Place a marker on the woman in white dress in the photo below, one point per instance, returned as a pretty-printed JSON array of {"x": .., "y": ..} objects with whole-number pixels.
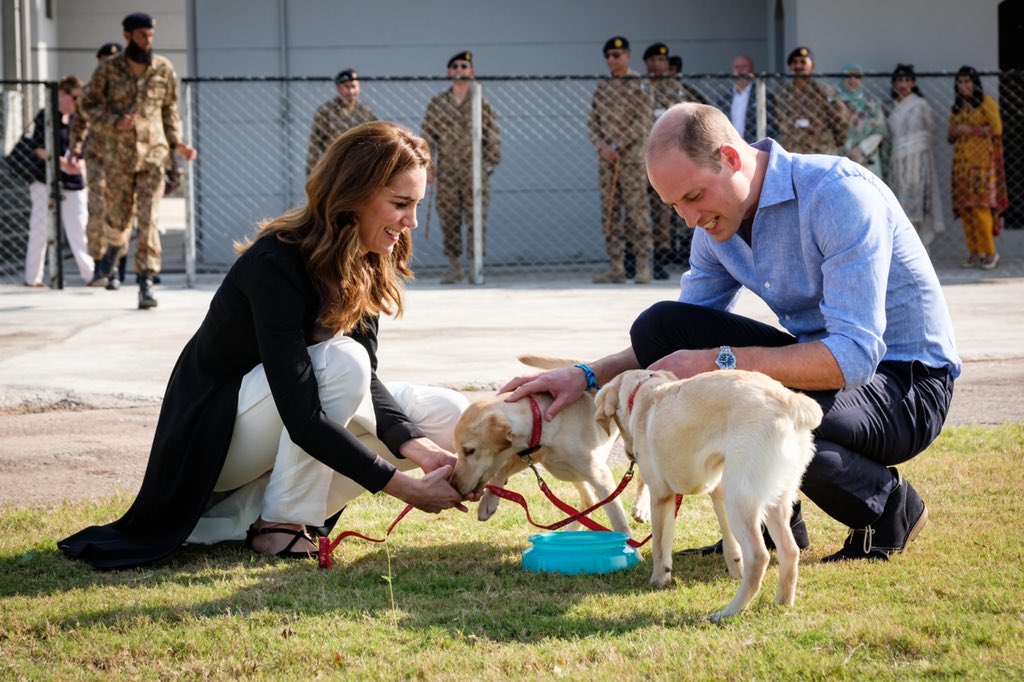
[{"x": 912, "y": 175}]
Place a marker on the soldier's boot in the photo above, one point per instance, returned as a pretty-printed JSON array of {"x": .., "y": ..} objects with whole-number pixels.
[
  {"x": 106, "y": 269},
  {"x": 122, "y": 267},
  {"x": 643, "y": 271},
  {"x": 662, "y": 257},
  {"x": 146, "y": 298},
  {"x": 629, "y": 263},
  {"x": 616, "y": 274},
  {"x": 455, "y": 273}
]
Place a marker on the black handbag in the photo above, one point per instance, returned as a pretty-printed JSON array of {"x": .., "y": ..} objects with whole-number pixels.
[{"x": 24, "y": 164}]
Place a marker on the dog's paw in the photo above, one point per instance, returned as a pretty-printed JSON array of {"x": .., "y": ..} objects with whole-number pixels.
[
  {"x": 641, "y": 513},
  {"x": 718, "y": 617},
  {"x": 661, "y": 579},
  {"x": 487, "y": 506}
]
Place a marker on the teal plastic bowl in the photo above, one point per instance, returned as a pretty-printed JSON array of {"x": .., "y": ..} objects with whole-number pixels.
[{"x": 572, "y": 552}]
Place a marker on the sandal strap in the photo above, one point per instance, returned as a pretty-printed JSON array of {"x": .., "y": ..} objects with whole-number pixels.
[{"x": 253, "y": 531}]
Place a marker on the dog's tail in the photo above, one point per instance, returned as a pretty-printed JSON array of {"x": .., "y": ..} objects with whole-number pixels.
[
  {"x": 806, "y": 411},
  {"x": 546, "y": 361}
]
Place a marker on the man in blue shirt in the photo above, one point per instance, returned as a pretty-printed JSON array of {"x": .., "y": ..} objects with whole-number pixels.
[{"x": 866, "y": 330}]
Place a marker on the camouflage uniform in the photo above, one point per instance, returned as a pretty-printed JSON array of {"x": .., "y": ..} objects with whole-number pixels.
[
  {"x": 331, "y": 120},
  {"x": 621, "y": 115},
  {"x": 133, "y": 161},
  {"x": 95, "y": 182},
  {"x": 811, "y": 119},
  {"x": 448, "y": 126},
  {"x": 666, "y": 92}
]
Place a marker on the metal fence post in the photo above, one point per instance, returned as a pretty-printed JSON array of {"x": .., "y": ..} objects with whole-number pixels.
[
  {"x": 189, "y": 190},
  {"x": 476, "y": 275},
  {"x": 762, "y": 107},
  {"x": 53, "y": 118}
]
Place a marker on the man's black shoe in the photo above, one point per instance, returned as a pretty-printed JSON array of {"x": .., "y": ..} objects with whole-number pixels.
[
  {"x": 903, "y": 518},
  {"x": 796, "y": 522}
]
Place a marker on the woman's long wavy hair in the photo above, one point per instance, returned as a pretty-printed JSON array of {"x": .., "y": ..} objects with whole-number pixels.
[
  {"x": 976, "y": 98},
  {"x": 356, "y": 166}
]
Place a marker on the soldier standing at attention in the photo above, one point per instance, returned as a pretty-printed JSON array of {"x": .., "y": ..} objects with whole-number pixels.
[
  {"x": 448, "y": 126},
  {"x": 809, "y": 114},
  {"x": 95, "y": 183},
  {"x": 336, "y": 116},
  {"x": 132, "y": 107},
  {"x": 620, "y": 117}
]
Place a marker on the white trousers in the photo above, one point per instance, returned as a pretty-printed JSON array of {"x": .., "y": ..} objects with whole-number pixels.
[
  {"x": 274, "y": 479},
  {"x": 74, "y": 213}
]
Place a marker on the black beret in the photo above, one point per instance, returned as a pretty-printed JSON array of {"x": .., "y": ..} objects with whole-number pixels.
[
  {"x": 800, "y": 52},
  {"x": 137, "y": 20},
  {"x": 616, "y": 43},
  {"x": 108, "y": 50},
  {"x": 656, "y": 49},
  {"x": 464, "y": 56},
  {"x": 345, "y": 76}
]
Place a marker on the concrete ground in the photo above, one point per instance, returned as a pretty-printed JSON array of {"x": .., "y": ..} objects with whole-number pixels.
[{"x": 82, "y": 371}]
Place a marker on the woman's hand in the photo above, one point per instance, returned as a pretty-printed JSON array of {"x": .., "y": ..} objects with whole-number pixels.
[
  {"x": 432, "y": 493},
  {"x": 427, "y": 454}
]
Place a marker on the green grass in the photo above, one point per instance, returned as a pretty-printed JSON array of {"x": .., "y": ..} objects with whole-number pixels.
[{"x": 462, "y": 608}]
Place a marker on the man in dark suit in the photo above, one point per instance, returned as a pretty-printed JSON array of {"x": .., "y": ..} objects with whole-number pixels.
[{"x": 740, "y": 105}]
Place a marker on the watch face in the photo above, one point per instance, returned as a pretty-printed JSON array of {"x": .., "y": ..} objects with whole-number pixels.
[{"x": 726, "y": 360}]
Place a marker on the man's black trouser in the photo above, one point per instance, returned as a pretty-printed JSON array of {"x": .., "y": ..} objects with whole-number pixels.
[{"x": 887, "y": 421}]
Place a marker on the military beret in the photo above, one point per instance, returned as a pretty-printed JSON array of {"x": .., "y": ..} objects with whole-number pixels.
[
  {"x": 137, "y": 20},
  {"x": 800, "y": 52},
  {"x": 616, "y": 43},
  {"x": 345, "y": 76},
  {"x": 656, "y": 49},
  {"x": 108, "y": 50},
  {"x": 465, "y": 56}
]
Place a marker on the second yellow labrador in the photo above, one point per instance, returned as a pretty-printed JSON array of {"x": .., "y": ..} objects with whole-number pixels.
[{"x": 740, "y": 437}]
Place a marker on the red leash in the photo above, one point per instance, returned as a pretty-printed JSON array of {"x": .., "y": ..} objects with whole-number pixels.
[{"x": 326, "y": 545}]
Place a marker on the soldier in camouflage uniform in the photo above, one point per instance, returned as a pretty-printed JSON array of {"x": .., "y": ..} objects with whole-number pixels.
[
  {"x": 448, "y": 127},
  {"x": 621, "y": 115},
  {"x": 93, "y": 164},
  {"x": 131, "y": 103},
  {"x": 665, "y": 91},
  {"x": 336, "y": 116},
  {"x": 810, "y": 116}
]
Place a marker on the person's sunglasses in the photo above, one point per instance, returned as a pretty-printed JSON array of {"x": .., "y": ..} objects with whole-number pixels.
[{"x": 463, "y": 66}]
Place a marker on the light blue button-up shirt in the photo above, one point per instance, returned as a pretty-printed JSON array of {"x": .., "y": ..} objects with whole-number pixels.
[{"x": 835, "y": 258}]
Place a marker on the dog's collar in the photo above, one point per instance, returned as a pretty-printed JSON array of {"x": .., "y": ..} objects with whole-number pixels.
[
  {"x": 636, "y": 389},
  {"x": 538, "y": 423}
]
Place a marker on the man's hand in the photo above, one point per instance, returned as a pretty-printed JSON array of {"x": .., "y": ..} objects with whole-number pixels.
[
  {"x": 125, "y": 123},
  {"x": 607, "y": 154},
  {"x": 188, "y": 153},
  {"x": 687, "y": 363},
  {"x": 71, "y": 166},
  {"x": 565, "y": 386}
]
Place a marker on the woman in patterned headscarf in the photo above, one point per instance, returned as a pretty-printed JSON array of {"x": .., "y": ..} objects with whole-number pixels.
[
  {"x": 979, "y": 177},
  {"x": 912, "y": 175},
  {"x": 867, "y": 139}
]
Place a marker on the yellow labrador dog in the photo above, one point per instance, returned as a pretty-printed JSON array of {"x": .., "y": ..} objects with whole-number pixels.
[
  {"x": 573, "y": 446},
  {"x": 740, "y": 437}
]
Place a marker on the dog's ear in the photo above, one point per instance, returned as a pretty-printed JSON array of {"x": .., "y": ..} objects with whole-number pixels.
[
  {"x": 607, "y": 402},
  {"x": 497, "y": 431}
]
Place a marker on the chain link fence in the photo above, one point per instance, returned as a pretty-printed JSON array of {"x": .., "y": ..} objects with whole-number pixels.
[{"x": 542, "y": 194}]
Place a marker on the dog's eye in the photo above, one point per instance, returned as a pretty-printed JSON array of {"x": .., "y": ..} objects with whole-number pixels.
[{"x": 468, "y": 452}]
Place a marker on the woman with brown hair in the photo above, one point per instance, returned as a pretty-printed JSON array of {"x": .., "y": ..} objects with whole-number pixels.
[
  {"x": 274, "y": 414},
  {"x": 979, "y": 177}
]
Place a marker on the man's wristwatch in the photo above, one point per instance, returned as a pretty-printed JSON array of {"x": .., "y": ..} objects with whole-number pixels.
[{"x": 725, "y": 359}]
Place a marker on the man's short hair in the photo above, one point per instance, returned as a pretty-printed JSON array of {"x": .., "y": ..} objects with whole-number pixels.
[{"x": 697, "y": 130}]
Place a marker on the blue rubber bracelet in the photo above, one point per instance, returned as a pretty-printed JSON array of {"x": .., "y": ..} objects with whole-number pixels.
[{"x": 592, "y": 384}]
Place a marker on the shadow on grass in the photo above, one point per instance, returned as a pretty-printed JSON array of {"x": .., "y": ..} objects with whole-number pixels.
[{"x": 461, "y": 587}]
